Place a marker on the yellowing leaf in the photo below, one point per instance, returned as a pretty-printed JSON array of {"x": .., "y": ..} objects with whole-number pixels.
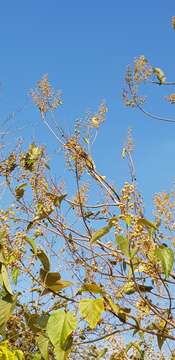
[
  {"x": 166, "y": 257},
  {"x": 44, "y": 259},
  {"x": 94, "y": 288},
  {"x": 91, "y": 310},
  {"x": 49, "y": 278},
  {"x": 60, "y": 285},
  {"x": 52, "y": 281}
]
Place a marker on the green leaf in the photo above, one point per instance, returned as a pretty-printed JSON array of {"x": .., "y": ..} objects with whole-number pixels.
[
  {"x": 44, "y": 259},
  {"x": 91, "y": 310},
  {"x": 37, "y": 356},
  {"x": 42, "y": 342},
  {"x": 7, "y": 305},
  {"x": 31, "y": 242},
  {"x": 166, "y": 257},
  {"x": 42, "y": 321},
  {"x": 133, "y": 252},
  {"x": 68, "y": 343},
  {"x": 15, "y": 274},
  {"x": 32, "y": 322},
  {"x": 123, "y": 244},
  {"x": 100, "y": 233},
  {"x": 61, "y": 354},
  {"x": 36, "y": 322},
  {"x": 5, "y": 279},
  {"x": 60, "y": 327}
]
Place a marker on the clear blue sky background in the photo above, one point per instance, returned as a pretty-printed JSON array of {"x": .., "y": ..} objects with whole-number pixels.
[{"x": 85, "y": 47}]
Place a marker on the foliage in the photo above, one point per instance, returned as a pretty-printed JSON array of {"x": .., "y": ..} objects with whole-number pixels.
[{"x": 82, "y": 271}]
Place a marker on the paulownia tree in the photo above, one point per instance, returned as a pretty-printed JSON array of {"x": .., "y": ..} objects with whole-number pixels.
[{"x": 83, "y": 273}]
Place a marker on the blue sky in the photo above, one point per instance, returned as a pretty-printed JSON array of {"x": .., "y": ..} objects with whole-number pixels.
[{"x": 85, "y": 46}]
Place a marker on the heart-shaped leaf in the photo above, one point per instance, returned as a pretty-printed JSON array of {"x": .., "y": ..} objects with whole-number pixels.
[{"x": 91, "y": 310}]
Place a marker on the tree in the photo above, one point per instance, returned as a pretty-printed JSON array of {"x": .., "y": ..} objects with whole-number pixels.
[{"x": 84, "y": 276}]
